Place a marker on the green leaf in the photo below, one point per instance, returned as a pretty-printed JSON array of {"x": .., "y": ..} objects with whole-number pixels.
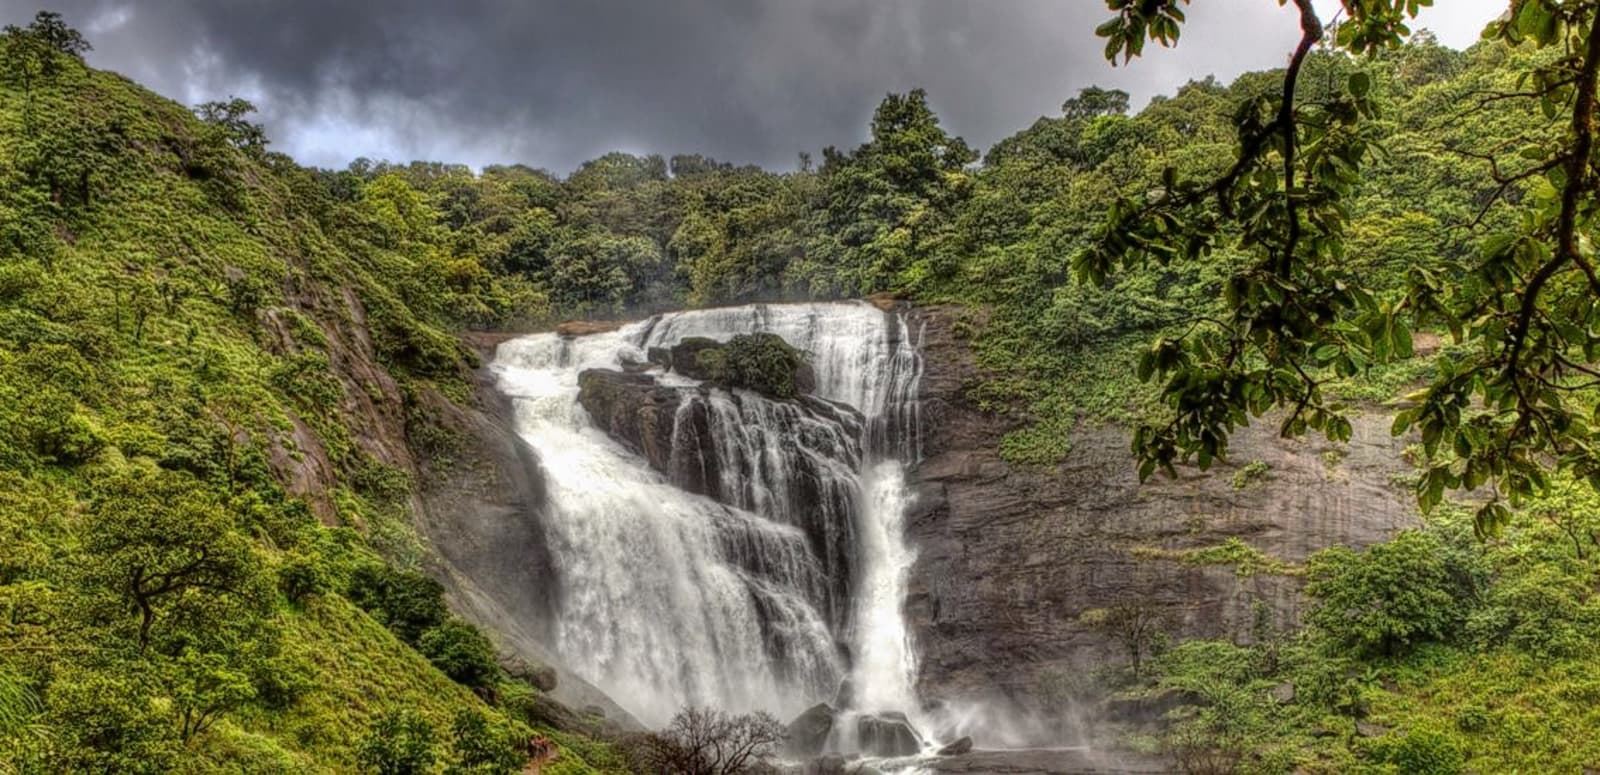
[{"x": 1360, "y": 84}]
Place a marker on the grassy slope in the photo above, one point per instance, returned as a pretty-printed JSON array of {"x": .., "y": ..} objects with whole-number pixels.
[{"x": 141, "y": 280}]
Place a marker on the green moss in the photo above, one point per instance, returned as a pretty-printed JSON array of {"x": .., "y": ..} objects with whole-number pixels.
[
  {"x": 1047, "y": 440},
  {"x": 1253, "y": 473},
  {"x": 1246, "y": 560},
  {"x": 761, "y": 362}
]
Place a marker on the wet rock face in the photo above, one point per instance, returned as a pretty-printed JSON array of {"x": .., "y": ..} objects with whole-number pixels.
[
  {"x": 887, "y": 734},
  {"x": 635, "y": 410},
  {"x": 808, "y": 733},
  {"x": 1010, "y": 558}
]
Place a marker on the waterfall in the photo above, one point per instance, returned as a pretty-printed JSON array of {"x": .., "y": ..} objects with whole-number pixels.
[{"x": 726, "y": 549}]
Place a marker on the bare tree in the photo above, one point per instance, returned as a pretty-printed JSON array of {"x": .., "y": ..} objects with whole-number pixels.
[{"x": 701, "y": 741}]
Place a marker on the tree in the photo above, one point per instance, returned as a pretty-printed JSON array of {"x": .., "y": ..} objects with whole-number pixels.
[
  {"x": 1391, "y": 596},
  {"x": 1138, "y": 624},
  {"x": 890, "y": 204},
  {"x": 709, "y": 742},
  {"x": 1293, "y": 317},
  {"x": 163, "y": 546},
  {"x": 228, "y": 119},
  {"x": 49, "y": 29},
  {"x": 483, "y": 746},
  {"x": 1093, "y": 102},
  {"x": 34, "y": 53},
  {"x": 399, "y": 743},
  {"x": 461, "y": 652},
  {"x": 204, "y": 687}
]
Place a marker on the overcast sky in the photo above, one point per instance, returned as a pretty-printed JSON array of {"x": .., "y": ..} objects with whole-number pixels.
[{"x": 551, "y": 83}]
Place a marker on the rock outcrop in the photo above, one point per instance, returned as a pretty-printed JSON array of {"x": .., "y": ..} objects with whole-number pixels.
[
  {"x": 641, "y": 414},
  {"x": 479, "y": 509},
  {"x": 887, "y": 735},
  {"x": 808, "y": 733},
  {"x": 1011, "y": 559},
  {"x": 762, "y": 362}
]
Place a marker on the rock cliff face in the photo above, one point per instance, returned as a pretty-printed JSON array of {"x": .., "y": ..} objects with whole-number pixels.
[
  {"x": 479, "y": 508},
  {"x": 1010, "y": 559}
]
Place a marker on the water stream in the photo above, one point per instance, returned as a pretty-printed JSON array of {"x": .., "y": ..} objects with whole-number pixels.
[{"x": 767, "y": 561}]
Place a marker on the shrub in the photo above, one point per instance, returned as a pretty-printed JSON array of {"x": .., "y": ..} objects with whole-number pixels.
[
  {"x": 764, "y": 363},
  {"x": 1254, "y": 472},
  {"x": 1540, "y": 610},
  {"x": 1418, "y": 587},
  {"x": 461, "y": 652},
  {"x": 408, "y": 602},
  {"x": 483, "y": 746},
  {"x": 108, "y": 724},
  {"x": 302, "y": 576},
  {"x": 1420, "y": 751},
  {"x": 399, "y": 743}
]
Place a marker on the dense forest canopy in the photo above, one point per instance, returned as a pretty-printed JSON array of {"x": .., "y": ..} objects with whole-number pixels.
[{"x": 178, "y": 305}]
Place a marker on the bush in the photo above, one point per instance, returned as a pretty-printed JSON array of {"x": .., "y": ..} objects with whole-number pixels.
[
  {"x": 461, "y": 652},
  {"x": 1254, "y": 472},
  {"x": 399, "y": 743},
  {"x": 483, "y": 747},
  {"x": 1418, "y": 587},
  {"x": 302, "y": 576},
  {"x": 1539, "y": 610},
  {"x": 764, "y": 363},
  {"x": 408, "y": 602},
  {"x": 108, "y": 724},
  {"x": 1420, "y": 751}
]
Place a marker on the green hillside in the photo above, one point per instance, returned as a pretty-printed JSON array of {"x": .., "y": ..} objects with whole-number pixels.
[
  {"x": 185, "y": 319},
  {"x": 217, "y": 368}
]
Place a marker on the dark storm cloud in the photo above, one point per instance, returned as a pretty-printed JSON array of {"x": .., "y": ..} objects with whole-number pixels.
[{"x": 553, "y": 82}]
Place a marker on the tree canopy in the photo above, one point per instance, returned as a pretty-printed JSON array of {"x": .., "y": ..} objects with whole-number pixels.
[{"x": 1296, "y": 313}]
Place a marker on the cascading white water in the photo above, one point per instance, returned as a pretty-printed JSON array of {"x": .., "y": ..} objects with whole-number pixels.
[
  {"x": 884, "y": 673},
  {"x": 731, "y": 598}
]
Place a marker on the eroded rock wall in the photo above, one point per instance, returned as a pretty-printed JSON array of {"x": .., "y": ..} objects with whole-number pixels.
[{"x": 1011, "y": 558}]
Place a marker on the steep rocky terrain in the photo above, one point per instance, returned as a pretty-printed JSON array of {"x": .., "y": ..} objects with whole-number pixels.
[{"x": 1014, "y": 561}]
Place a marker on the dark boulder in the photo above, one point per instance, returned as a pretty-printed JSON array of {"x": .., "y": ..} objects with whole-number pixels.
[
  {"x": 964, "y": 745},
  {"x": 632, "y": 409},
  {"x": 684, "y": 357},
  {"x": 808, "y": 733},
  {"x": 887, "y": 734}
]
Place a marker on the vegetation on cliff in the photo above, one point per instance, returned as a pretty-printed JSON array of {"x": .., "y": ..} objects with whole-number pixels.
[
  {"x": 216, "y": 368},
  {"x": 760, "y": 362}
]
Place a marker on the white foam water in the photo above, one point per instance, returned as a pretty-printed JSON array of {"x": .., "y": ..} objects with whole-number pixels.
[{"x": 740, "y": 598}]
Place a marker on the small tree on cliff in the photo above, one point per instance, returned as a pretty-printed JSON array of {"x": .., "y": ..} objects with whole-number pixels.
[{"x": 1133, "y": 622}]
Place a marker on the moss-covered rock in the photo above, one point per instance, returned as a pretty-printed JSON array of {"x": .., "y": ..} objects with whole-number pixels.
[{"x": 764, "y": 363}]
